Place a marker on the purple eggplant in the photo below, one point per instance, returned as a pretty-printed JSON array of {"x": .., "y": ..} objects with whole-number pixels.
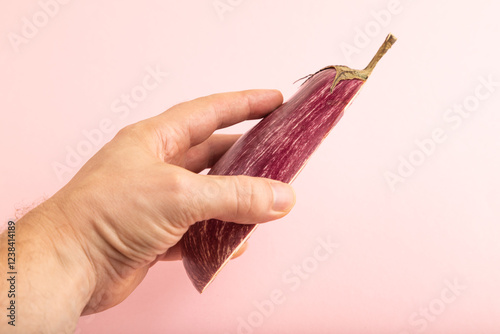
[{"x": 278, "y": 147}]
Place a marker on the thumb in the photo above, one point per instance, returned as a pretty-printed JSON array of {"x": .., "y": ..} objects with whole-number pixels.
[{"x": 243, "y": 199}]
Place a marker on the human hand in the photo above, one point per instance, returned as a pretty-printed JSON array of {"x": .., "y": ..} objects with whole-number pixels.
[{"x": 132, "y": 202}]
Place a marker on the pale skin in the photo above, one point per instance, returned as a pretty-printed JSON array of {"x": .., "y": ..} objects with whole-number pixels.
[{"x": 88, "y": 247}]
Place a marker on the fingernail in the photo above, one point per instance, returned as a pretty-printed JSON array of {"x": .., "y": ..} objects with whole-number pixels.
[{"x": 284, "y": 197}]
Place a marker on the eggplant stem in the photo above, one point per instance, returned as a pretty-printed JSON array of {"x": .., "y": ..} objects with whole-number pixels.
[
  {"x": 388, "y": 43},
  {"x": 346, "y": 73}
]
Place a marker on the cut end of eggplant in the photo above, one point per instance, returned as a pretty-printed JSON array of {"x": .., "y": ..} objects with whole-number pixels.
[
  {"x": 278, "y": 147},
  {"x": 202, "y": 279},
  {"x": 208, "y": 246}
]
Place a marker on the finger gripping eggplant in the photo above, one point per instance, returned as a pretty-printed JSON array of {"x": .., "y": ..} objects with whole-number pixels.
[{"x": 278, "y": 147}]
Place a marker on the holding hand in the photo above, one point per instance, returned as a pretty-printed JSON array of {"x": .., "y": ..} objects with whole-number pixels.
[{"x": 130, "y": 204}]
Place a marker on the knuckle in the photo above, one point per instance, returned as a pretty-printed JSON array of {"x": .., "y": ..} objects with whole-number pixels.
[
  {"x": 173, "y": 139},
  {"x": 246, "y": 197},
  {"x": 182, "y": 202},
  {"x": 211, "y": 189},
  {"x": 134, "y": 131},
  {"x": 176, "y": 184},
  {"x": 127, "y": 130}
]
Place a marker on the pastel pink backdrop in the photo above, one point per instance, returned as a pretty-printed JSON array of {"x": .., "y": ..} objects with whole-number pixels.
[{"x": 399, "y": 249}]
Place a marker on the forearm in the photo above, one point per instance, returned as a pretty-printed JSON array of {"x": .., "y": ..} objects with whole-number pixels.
[{"x": 54, "y": 278}]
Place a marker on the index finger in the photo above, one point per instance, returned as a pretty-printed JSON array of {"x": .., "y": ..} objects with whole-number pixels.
[{"x": 194, "y": 121}]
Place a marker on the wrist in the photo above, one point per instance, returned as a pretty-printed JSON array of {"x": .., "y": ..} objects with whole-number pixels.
[
  {"x": 68, "y": 247},
  {"x": 65, "y": 245},
  {"x": 55, "y": 277}
]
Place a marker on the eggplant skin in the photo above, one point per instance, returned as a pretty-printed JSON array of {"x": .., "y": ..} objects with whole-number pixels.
[{"x": 277, "y": 147}]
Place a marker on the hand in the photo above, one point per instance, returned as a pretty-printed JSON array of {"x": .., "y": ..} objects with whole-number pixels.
[{"x": 132, "y": 202}]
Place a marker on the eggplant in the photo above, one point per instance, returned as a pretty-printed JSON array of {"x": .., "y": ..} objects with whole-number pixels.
[{"x": 278, "y": 147}]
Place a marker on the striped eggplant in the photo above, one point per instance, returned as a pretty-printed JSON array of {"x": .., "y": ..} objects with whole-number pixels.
[{"x": 278, "y": 147}]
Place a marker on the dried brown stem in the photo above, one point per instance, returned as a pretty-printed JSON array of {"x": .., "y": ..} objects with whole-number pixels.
[{"x": 347, "y": 73}]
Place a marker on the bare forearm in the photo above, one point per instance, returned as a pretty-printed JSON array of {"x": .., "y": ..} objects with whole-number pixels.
[{"x": 52, "y": 281}]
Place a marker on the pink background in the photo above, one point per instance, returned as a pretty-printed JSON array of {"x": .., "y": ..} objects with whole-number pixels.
[{"x": 422, "y": 256}]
